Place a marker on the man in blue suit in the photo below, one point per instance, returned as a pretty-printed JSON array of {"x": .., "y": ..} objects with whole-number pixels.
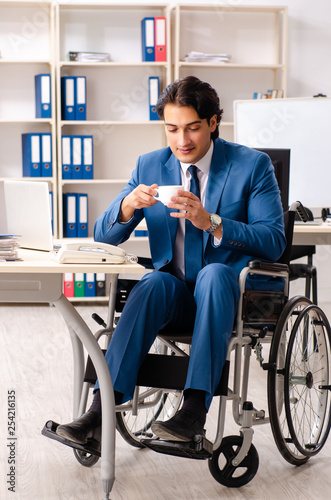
[{"x": 228, "y": 212}]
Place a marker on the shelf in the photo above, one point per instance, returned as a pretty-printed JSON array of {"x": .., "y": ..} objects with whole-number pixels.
[
  {"x": 231, "y": 65},
  {"x": 26, "y": 3},
  {"x": 110, "y": 122},
  {"x": 111, "y": 64},
  {"x": 113, "y": 6},
  {"x": 93, "y": 181},
  {"x": 84, "y": 299},
  {"x": 36, "y": 179},
  {"x": 26, "y": 120},
  {"x": 139, "y": 239},
  {"x": 24, "y": 61},
  {"x": 226, "y": 124},
  {"x": 265, "y": 9}
]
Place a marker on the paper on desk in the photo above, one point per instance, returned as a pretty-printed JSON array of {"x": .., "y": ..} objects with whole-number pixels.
[{"x": 9, "y": 244}]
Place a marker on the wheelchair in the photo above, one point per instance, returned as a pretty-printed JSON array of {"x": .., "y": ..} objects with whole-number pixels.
[{"x": 298, "y": 380}]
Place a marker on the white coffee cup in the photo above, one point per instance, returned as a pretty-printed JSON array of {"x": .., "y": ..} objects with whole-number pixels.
[{"x": 165, "y": 193}]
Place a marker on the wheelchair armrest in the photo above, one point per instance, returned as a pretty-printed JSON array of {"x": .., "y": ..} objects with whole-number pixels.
[{"x": 267, "y": 266}]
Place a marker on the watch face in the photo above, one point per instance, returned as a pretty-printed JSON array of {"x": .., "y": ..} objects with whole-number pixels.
[
  {"x": 216, "y": 219},
  {"x": 215, "y": 222}
]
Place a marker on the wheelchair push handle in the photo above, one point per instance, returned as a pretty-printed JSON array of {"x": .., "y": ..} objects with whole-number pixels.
[{"x": 99, "y": 320}]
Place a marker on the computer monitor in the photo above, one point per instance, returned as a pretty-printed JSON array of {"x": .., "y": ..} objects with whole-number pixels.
[
  {"x": 28, "y": 213},
  {"x": 280, "y": 159}
]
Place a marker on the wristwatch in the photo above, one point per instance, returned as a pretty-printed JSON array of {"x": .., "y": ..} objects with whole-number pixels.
[{"x": 215, "y": 222}]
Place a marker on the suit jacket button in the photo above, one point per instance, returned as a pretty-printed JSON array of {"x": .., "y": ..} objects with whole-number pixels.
[
  {"x": 230, "y": 242},
  {"x": 165, "y": 261}
]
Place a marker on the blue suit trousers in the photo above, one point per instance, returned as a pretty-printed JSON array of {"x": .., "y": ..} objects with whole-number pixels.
[{"x": 160, "y": 299}]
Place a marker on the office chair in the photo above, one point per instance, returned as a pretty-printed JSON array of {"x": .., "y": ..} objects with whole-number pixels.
[{"x": 305, "y": 270}]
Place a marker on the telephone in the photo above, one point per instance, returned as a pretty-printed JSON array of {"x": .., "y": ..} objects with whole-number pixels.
[{"x": 92, "y": 252}]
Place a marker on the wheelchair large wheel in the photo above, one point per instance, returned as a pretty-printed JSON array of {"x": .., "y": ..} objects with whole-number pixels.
[
  {"x": 277, "y": 387},
  {"x": 153, "y": 404},
  {"x": 307, "y": 379}
]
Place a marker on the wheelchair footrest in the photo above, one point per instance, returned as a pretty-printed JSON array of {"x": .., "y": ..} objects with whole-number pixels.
[
  {"x": 200, "y": 450},
  {"x": 92, "y": 446}
]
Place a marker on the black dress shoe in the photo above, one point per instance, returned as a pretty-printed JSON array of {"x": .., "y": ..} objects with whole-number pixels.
[
  {"x": 80, "y": 430},
  {"x": 181, "y": 427}
]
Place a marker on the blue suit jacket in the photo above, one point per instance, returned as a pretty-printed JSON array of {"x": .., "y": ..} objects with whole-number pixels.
[{"x": 241, "y": 188}]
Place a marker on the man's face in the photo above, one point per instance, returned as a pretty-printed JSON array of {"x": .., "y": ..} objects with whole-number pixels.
[{"x": 188, "y": 135}]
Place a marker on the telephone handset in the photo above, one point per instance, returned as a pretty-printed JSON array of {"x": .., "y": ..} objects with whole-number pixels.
[{"x": 92, "y": 252}]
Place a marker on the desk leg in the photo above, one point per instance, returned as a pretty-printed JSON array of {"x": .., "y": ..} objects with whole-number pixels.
[
  {"x": 79, "y": 367},
  {"x": 74, "y": 320}
]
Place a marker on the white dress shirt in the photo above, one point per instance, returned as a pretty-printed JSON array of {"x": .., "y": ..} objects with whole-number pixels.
[{"x": 203, "y": 167}]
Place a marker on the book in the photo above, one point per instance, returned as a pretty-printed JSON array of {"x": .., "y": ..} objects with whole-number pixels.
[{"x": 270, "y": 94}]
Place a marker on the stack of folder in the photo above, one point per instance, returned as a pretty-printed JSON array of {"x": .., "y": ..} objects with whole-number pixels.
[
  {"x": 153, "y": 38},
  {"x": 77, "y": 157},
  {"x": 84, "y": 284},
  {"x": 37, "y": 155},
  {"x": 75, "y": 215},
  {"x": 73, "y": 97},
  {"x": 9, "y": 245}
]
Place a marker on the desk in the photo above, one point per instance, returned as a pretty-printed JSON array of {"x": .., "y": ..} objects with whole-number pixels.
[
  {"x": 312, "y": 235},
  {"x": 38, "y": 278}
]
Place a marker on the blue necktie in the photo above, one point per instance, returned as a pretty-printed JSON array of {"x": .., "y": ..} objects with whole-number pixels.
[{"x": 193, "y": 236}]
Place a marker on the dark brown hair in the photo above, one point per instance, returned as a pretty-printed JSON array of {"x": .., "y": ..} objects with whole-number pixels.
[{"x": 190, "y": 91}]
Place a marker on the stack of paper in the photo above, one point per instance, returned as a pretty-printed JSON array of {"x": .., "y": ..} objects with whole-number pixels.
[
  {"x": 89, "y": 56},
  {"x": 202, "y": 57},
  {"x": 9, "y": 245}
]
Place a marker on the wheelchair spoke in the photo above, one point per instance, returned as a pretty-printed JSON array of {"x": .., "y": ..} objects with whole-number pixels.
[
  {"x": 153, "y": 404},
  {"x": 133, "y": 428},
  {"x": 307, "y": 369}
]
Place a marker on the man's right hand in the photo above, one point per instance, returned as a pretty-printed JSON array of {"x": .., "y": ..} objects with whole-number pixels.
[{"x": 141, "y": 197}]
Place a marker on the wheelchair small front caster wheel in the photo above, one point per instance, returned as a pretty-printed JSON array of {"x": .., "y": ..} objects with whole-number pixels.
[
  {"x": 85, "y": 458},
  {"x": 222, "y": 468}
]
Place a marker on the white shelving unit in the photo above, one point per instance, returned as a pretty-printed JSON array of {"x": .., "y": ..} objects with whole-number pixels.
[
  {"x": 117, "y": 94},
  {"x": 36, "y": 36},
  {"x": 254, "y": 36},
  {"x": 26, "y": 49}
]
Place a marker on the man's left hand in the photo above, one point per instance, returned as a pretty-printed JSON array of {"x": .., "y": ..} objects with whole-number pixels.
[{"x": 191, "y": 209}]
